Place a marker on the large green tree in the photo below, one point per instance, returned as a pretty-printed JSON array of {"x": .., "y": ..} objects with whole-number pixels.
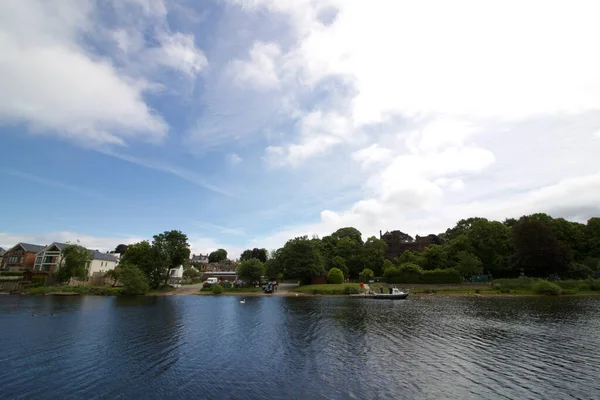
[
  {"x": 259, "y": 254},
  {"x": 352, "y": 252},
  {"x": 251, "y": 270},
  {"x": 217, "y": 255},
  {"x": 175, "y": 244},
  {"x": 74, "y": 263},
  {"x": 374, "y": 254},
  {"x": 348, "y": 232},
  {"x": 301, "y": 258},
  {"x": 537, "y": 251}
]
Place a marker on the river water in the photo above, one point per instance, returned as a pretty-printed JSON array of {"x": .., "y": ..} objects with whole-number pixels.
[{"x": 201, "y": 347}]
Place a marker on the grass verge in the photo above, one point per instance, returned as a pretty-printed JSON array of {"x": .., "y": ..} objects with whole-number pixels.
[
  {"x": 329, "y": 289},
  {"x": 94, "y": 290}
]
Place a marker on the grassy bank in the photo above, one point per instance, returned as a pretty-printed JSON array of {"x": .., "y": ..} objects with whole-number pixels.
[
  {"x": 93, "y": 290},
  {"x": 329, "y": 289},
  {"x": 526, "y": 286},
  {"x": 208, "y": 290}
]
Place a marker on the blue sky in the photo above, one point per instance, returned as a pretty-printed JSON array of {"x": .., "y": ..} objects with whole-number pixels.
[{"x": 246, "y": 122}]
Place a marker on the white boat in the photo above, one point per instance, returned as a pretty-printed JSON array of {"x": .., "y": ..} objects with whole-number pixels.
[{"x": 396, "y": 294}]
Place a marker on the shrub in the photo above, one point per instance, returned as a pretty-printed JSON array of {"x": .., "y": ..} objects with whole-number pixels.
[
  {"x": 335, "y": 276},
  {"x": 441, "y": 276},
  {"x": 10, "y": 273},
  {"x": 579, "y": 271},
  {"x": 37, "y": 281},
  {"x": 133, "y": 280},
  {"x": 207, "y": 285},
  {"x": 477, "y": 291},
  {"x": 351, "y": 290},
  {"x": 366, "y": 275},
  {"x": 547, "y": 288},
  {"x": 217, "y": 289}
]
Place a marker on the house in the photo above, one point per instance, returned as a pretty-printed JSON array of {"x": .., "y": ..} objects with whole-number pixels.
[
  {"x": 2, "y": 251},
  {"x": 20, "y": 257},
  {"x": 198, "y": 260},
  {"x": 101, "y": 263},
  {"x": 49, "y": 259},
  {"x": 176, "y": 274},
  {"x": 398, "y": 242}
]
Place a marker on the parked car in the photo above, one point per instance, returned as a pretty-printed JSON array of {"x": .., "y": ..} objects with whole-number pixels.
[
  {"x": 268, "y": 288},
  {"x": 211, "y": 281}
]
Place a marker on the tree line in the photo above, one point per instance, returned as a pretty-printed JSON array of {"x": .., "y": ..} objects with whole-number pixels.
[{"x": 534, "y": 245}]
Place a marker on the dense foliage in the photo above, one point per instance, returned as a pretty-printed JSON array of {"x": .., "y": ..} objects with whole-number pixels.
[
  {"x": 133, "y": 280},
  {"x": 335, "y": 276},
  {"x": 535, "y": 246},
  {"x": 217, "y": 255},
  {"x": 74, "y": 263},
  {"x": 259, "y": 254},
  {"x": 168, "y": 250},
  {"x": 251, "y": 270}
]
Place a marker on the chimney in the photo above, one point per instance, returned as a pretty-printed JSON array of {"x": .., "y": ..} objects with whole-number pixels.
[{"x": 380, "y": 234}]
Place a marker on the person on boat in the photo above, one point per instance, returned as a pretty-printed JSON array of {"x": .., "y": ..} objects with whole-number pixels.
[
  {"x": 391, "y": 289},
  {"x": 381, "y": 289}
]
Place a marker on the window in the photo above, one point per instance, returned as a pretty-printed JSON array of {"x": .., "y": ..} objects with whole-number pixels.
[{"x": 13, "y": 259}]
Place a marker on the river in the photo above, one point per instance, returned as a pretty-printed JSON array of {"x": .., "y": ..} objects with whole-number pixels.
[{"x": 204, "y": 347}]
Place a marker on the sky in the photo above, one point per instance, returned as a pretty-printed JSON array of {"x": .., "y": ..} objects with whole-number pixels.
[{"x": 244, "y": 123}]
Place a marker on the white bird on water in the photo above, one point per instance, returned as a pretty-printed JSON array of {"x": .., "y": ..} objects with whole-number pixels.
[{"x": 243, "y": 301}]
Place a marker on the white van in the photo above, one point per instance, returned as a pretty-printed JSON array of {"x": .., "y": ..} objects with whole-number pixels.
[{"x": 212, "y": 281}]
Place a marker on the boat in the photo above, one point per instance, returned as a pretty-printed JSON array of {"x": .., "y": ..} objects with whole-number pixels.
[{"x": 395, "y": 295}]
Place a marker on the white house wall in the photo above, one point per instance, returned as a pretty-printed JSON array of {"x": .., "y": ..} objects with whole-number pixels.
[{"x": 100, "y": 266}]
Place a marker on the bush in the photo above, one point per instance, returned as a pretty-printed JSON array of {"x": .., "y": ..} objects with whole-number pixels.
[
  {"x": 547, "y": 288},
  {"x": 10, "y": 273},
  {"x": 133, "y": 280},
  {"x": 226, "y": 284},
  {"x": 217, "y": 289},
  {"x": 441, "y": 276},
  {"x": 335, "y": 276},
  {"x": 579, "y": 271},
  {"x": 37, "y": 281},
  {"x": 207, "y": 285},
  {"x": 351, "y": 290},
  {"x": 366, "y": 275}
]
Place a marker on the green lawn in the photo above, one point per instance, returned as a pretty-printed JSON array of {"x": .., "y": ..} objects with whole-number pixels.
[
  {"x": 95, "y": 290},
  {"x": 328, "y": 289},
  {"x": 208, "y": 289}
]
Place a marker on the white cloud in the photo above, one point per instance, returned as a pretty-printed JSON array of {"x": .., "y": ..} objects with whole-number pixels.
[
  {"x": 179, "y": 52},
  {"x": 234, "y": 159},
  {"x": 50, "y": 80},
  {"x": 260, "y": 70},
  {"x": 8, "y": 240}
]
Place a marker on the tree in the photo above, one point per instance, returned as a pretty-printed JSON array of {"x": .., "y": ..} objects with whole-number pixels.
[
  {"x": 339, "y": 263},
  {"x": 121, "y": 249},
  {"x": 113, "y": 275},
  {"x": 468, "y": 264},
  {"x": 335, "y": 276},
  {"x": 301, "y": 259},
  {"x": 435, "y": 257},
  {"x": 259, "y": 254},
  {"x": 133, "y": 279},
  {"x": 365, "y": 275},
  {"x": 537, "y": 251},
  {"x": 348, "y": 232},
  {"x": 352, "y": 253},
  {"x": 218, "y": 255},
  {"x": 592, "y": 237},
  {"x": 175, "y": 244},
  {"x": 273, "y": 268},
  {"x": 374, "y": 254},
  {"x": 74, "y": 262},
  {"x": 251, "y": 270},
  {"x": 137, "y": 253}
]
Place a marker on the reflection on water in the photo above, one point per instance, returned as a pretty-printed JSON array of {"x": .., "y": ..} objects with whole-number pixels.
[{"x": 209, "y": 347}]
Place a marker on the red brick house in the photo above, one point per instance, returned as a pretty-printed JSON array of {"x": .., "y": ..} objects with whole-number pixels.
[{"x": 20, "y": 257}]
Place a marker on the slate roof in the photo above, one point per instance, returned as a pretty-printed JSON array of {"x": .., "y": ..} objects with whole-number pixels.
[
  {"x": 102, "y": 256},
  {"x": 31, "y": 247}
]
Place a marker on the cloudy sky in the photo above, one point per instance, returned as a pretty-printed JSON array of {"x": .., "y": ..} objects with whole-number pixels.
[{"x": 247, "y": 122}]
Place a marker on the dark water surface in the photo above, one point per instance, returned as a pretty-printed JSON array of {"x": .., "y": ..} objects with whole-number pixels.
[{"x": 299, "y": 348}]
